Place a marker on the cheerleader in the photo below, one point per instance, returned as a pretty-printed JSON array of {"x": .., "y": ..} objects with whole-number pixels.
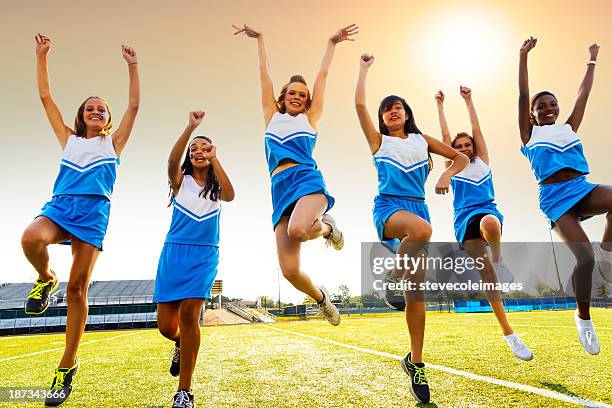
[
  {"x": 566, "y": 197},
  {"x": 300, "y": 199},
  {"x": 79, "y": 209},
  {"x": 402, "y": 159},
  {"x": 477, "y": 221}
]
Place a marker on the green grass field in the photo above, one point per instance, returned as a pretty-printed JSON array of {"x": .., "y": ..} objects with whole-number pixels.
[{"x": 277, "y": 366}]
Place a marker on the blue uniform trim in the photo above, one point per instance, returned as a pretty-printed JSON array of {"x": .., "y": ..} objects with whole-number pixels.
[
  {"x": 282, "y": 140},
  {"x": 88, "y": 166},
  {"x": 198, "y": 218},
  {"x": 405, "y": 169}
]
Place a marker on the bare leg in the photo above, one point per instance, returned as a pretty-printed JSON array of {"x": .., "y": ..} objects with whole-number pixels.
[
  {"x": 84, "y": 258},
  {"x": 597, "y": 202},
  {"x": 40, "y": 233},
  {"x": 414, "y": 232},
  {"x": 305, "y": 223},
  {"x": 476, "y": 249},
  {"x": 168, "y": 320},
  {"x": 288, "y": 250},
  {"x": 189, "y": 323},
  {"x": 490, "y": 230}
]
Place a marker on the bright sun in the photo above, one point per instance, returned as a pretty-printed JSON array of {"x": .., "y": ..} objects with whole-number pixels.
[{"x": 462, "y": 47}]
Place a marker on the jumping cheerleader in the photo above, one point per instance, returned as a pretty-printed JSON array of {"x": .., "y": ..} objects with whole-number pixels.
[
  {"x": 79, "y": 209},
  {"x": 401, "y": 156},
  {"x": 300, "y": 199}
]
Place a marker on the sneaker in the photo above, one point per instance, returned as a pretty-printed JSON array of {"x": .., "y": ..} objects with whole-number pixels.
[
  {"x": 175, "y": 361},
  {"x": 38, "y": 299},
  {"x": 335, "y": 237},
  {"x": 586, "y": 334},
  {"x": 503, "y": 272},
  {"x": 327, "y": 309},
  {"x": 418, "y": 383},
  {"x": 604, "y": 261},
  {"x": 518, "y": 348},
  {"x": 183, "y": 399},
  {"x": 394, "y": 298},
  {"x": 61, "y": 387}
]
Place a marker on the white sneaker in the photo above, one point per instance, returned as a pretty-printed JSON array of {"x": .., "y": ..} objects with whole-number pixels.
[
  {"x": 604, "y": 261},
  {"x": 335, "y": 237},
  {"x": 503, "y": 272},
  {"x": 328, "y": 310},
  {"x": 518, "y": 348},
  {"x": 586, "y": 334}
]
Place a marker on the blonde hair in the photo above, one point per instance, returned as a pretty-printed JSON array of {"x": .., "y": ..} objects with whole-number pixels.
[
  {"x": 280, "y": 102},
  {"x": 80, "y": 128}
]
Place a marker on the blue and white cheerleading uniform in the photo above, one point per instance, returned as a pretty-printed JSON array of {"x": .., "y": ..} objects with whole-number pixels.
[
  {"x": 83, "y": 188},
  {"x": 188, "y": 262},
  {"x": 473, "y": 195},
  {"x": 402, "y": 166},
  {"x": 552, "y": 148},
  {"x": 293, "y": 138}
]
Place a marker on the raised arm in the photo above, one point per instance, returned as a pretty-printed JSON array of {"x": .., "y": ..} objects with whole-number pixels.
[
  {"x": 373, "y": 137},
  {"x": 524, "y": 115},
  {"x": 227, "y": 190},
  {"x": 459, "y": 161},
  {"x": 268, "y": 102},
  {"x": 446, "y": 137},
  {"x": 479, "y": 143},
  {"x": 122, "y": 134},
  {"x": 318, "y": 90},
  {"x": 175, "y": 175},
  {"x": 585, "y": 89},
  {"x": 61, "y": 130}
]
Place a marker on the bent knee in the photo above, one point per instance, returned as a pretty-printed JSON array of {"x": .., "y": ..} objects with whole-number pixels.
[
  {"x": 490, "y": 223},
  {"x": 421, "y": 234},
  {"x": 31, "y": 239},
  {"x": 290, "y": 272},
  {"x": 298, "y": 232}
]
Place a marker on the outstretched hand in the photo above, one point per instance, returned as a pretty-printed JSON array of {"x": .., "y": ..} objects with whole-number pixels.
[
  {"x": 195, "y": 118},
  {"x": 43, "y": 44},
  {"x": 439, "y": 97},
  {"x": 249, "y": 31},
  {"x": 594, "y": 50},
  {"x": 528, "y": 45},
  {"x": 366, "y": 60},
  {"x": 129, "y": 54},
  {"x": 345, "y": 34},
  {"x": 210, "y": 152},
  {"x": 465, "y": 92}
]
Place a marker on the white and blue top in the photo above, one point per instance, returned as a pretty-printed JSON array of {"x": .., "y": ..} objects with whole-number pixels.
[
  {"x": 473, "y": 185},
  {"x": 552, "y": 148},
  {"x": 195, "y": 219},
  {"x": 289, "y": 137},
  {"x": 402, "y": 165},
  {"x": 87, "y": 167}
]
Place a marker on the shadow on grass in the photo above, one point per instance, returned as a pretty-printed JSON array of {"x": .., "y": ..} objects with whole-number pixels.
[
  {"x": 423, "y": 405},
  {"x": 560, "y": 389}
]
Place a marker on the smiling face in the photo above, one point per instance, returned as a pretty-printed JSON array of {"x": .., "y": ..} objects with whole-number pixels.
[
  {"x": 395, "y": 116},
  {"x": 297, "y": 98},
  {"x": 464, "y": 144},
  {"x": 197, "y": 148},
  {"x": 93, "y": 118},
  {"x": 545, "y": 110}
]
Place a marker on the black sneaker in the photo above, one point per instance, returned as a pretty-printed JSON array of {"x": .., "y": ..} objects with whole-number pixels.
[
  {"x": 61, "y": 387},
  {"x": 38, "y": 299},
  {"x": 183, "y": 399},
  {"x": 175, "y": 361},
  {"x": 394, "y": 298},
  {"x": 418, "y": 383}
]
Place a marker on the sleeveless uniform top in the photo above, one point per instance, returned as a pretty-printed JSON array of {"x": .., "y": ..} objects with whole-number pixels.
[
  {"x": 473, "y": 185},
  {"x": 289, "y": 137},
  {"x": 195, "y": 219},
  {"x": 87, "y": 167},
  {"x": 402, "y": 165},
  {"x": 552, "y": 148}
]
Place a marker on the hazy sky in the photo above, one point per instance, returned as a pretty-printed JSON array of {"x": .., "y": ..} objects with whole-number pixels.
[{"x": 190, "y": 60}]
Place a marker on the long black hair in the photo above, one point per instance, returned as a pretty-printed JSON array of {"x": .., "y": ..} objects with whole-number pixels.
[
  {"x": 212, "y": 188},
  {"x": 409, "y": 126}
]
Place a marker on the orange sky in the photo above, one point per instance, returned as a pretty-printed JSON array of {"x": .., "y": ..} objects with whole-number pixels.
[{"x": 190, "y": 60}]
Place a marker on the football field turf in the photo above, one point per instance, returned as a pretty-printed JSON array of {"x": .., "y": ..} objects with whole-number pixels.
[{"x": 312, "y": 364}]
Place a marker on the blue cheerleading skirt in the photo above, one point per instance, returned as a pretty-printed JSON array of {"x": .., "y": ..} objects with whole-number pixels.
[
  {"x": 185, "y": 271},
  {"x": 386, "y": 205},
  {"x": 558, "y": 198},
  {"x": 293, "y": 183},
  {"x": 464, "y": 215},
  {"x": 84, "y": 217}
]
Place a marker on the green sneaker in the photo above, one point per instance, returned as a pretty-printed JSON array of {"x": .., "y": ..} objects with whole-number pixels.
[
  {"x": 38, "y": 299},
  {"x": 61, "y": 387}
]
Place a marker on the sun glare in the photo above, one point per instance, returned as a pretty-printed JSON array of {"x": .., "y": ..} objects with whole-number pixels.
[{"x": 462, "y": 47}]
